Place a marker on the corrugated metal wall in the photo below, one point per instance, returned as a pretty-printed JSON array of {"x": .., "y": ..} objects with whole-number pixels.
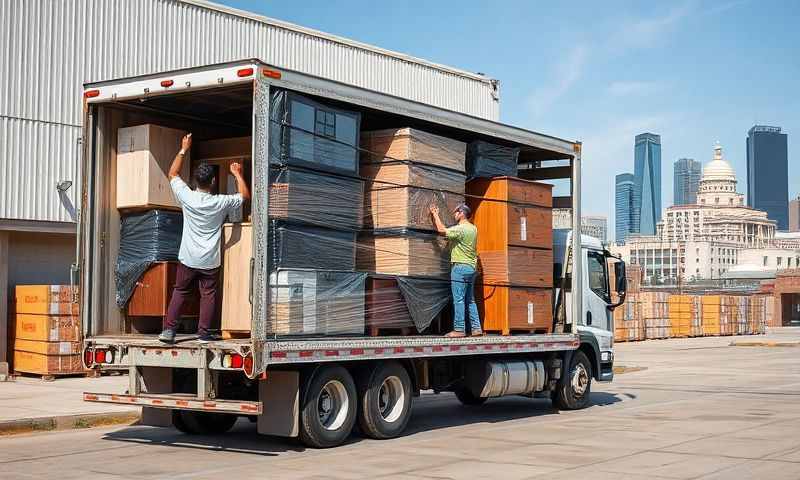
[{"x": 51, "y": 47}]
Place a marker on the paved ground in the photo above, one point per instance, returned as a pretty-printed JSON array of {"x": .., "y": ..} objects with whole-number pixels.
[{"x": 701, "y": 409}]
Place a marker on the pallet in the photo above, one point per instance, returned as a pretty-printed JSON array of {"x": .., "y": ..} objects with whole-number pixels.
[
  {"x": 233, "y": 334},
  {"x": 51, "y": 377}
]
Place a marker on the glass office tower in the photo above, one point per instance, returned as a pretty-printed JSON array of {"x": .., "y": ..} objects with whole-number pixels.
[
  {"x": 686, "y": 181},
  {"x": 768, "y": 173},
  {"x": 623, "y": 208},
  {"x": 647, "y": 180}
]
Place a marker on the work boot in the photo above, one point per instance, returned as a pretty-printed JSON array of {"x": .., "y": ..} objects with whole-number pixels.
[
  {"x": 207, "y": 337},
  {"x": 167, "y": 336},
  {"x": 456, "y": 334}
]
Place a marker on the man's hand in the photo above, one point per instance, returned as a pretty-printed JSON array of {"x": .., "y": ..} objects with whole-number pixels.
[
  {"x": 236, "y": 169},
  {"x": 437, "y": 222},
  {"x": 186, "y": 142},
  {"x": 241, "y": 184},
  {"x": 434, "y": 209}
]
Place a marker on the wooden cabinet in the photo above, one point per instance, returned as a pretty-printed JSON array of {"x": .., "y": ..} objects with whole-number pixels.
[
  {"x": 144, "y": 155},
  {"x": 510, "y": 309},
  {"x": 512, "y": 189},
  {"x": 517, "y": 266},
  {"x": 220, "y": 153},
  {"x": 407, "y": 253},
  {"x": 237, "y": 241},
  {"x": 501, "y": 224},
  {"x": 153, "y": 292},
  {"x": 415, "y": 145}
]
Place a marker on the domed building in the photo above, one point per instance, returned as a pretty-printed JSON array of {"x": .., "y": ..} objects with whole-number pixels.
[{"x": 703, "y": 241}]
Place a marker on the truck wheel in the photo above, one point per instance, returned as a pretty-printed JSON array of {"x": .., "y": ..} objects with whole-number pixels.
[
  {"x": 202, "y": 423},
  {"x": 384, "y": 401},
  {"x": 573, "y": 392},
  {"x": 328, "y": 409},
  {"x": 466, "y": 397}
]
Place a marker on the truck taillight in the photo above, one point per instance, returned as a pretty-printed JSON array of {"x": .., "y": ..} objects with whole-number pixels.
[
  {"x": 244, "y": 72},
  {"x": 272, "y": 73},
  {"x": 100, "y": 356},
  {"x": 167, "y": 83},
  {"x": 91, "y": 93},
  {"x": 88, "y": 357},
  {"x": 232, "y": 361},
  {"x": 248, "y": 365}
]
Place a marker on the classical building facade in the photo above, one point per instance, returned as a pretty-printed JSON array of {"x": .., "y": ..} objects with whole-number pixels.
[{"x": 703, "y": 241}]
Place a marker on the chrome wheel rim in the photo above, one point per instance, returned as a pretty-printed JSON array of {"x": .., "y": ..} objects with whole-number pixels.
[
  {"x": 333, "y": 405},
  {"x": 580, "y": 380},
  {"x": 391, "y": 399}
]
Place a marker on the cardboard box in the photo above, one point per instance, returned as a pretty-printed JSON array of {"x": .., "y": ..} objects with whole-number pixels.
[
  {"x": 28, "y": 362},
  {"x": 45, "y": 299},
  {"x": 404, "y": 253},
  {"x": 144, "y": 156},
  {"x": 47, "y": 328},
  {"x": 408, "y": 207},
  {"x": 414, "y": 145},
  {"x": 48, "y": 348}
]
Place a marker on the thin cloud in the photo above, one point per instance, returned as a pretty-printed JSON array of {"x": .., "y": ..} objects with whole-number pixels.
[
  {"x": 566, "y": 73},
  {"x": 634, "y": 88},
  {"x": 646, "y": 32}
]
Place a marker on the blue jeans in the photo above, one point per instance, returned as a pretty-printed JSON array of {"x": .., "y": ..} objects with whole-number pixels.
[{"x": 462, "y": 279}]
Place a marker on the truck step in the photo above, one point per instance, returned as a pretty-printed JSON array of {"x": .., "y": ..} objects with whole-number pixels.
[{"x": 178, "y": 401}]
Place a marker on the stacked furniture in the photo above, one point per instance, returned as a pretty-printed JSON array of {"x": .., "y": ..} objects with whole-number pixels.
[
  {"x": 47, "y": 331},
  {"x": 514, "y": 221},
  {"x": 406, "y": 171}
]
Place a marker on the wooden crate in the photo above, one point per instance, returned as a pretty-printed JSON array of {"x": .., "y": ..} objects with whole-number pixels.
[
  {"x": 41, "y": 364},
  {"x": 153, "y": 292},
  {"x": 515, "y": 309},
  {"x": 45, "y": 299},
  {"x": 414, "y": 254},
  {"x": 237, "y": 243},
  {"x": 501, "y": 224},
  {"x": 406, "y": 174},
  {"x": 414, "y": 145},
  {"x": 144, "y": 155},
  {"x": 512, "y": 189},
  {"x": 47, "y": 328},
  {"x": 48, "y": 348},
  {"x": 385, "y": 307},
  {"x": 517, "y": 266},
  {"x": 407, "y": 207}
]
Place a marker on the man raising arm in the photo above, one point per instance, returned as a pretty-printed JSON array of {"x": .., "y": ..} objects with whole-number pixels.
[{"x": 464, "y": 260}]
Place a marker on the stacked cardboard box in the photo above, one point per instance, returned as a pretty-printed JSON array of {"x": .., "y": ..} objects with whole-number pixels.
[
  {"x": 680, "y": 315},
  {"x": 47, "y": 333},
  {"x": 696, "y": 309},
  {"x": 514, "y": 221},
  {"x": 628, "y": 325}
]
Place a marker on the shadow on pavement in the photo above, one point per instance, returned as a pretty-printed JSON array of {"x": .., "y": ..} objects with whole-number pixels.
[{"x": 430, "y": 412}]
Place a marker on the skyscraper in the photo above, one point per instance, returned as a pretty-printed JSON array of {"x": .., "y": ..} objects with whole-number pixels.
[
  {"x": 768, "y": 173},
  {"x": 686, "y": 181},
  {"x": 623, "y": 208},
  {"x": 794, "y": 215},
  {"x": 647, "y": 180}
]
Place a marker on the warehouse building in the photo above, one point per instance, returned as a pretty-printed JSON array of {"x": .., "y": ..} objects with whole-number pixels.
[{"x": 50, "y": 49}]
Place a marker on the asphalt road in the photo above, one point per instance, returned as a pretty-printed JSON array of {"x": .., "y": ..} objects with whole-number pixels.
[{"x": 701, "y": 409}]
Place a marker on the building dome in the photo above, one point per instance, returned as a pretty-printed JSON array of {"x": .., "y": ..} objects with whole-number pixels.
[{"x": 718, "y": 169}]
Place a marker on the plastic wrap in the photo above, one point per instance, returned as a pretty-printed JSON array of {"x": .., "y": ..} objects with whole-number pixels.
[
  {"x": 296, "y": 246},
  {"x": 316, "y": 198},
  {"x": 147, "y": 237},
  {"x": 486, "y": 160},
  {"x": 412, "y": 144},
  {"x": 425, "y": 298},
  {"x": 316, "y": 302},
  {"x": 407, "y": 174},
  {"x": 307, "y": 133},
  {"x": 408, "y": 207},
  {"x": 403, "y": 252}
]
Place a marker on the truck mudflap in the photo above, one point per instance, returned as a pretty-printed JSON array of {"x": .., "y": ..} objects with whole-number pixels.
[{"x": 178, "y": 402}]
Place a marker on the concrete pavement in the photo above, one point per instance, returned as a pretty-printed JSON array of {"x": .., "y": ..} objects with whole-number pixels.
[{"x": 701, "y": 409}]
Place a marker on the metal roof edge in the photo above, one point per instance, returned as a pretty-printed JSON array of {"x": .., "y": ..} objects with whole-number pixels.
[{"x": 335, "y": 38}]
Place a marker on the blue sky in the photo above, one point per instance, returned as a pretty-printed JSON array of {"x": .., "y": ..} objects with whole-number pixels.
[{"x": 695, "y": 72}]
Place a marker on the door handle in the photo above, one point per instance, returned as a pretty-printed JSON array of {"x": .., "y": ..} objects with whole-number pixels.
[{"x": 589, "y": 318}]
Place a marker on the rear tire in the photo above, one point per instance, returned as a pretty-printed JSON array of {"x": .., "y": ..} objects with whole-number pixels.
[
  {"x": 384, "y": 406},
  {"x": 328, "y": 408},
  {"x": 466, "y": 397},
  {"x": 573, "y": 392},
  {"x": 202, "y": 423}
]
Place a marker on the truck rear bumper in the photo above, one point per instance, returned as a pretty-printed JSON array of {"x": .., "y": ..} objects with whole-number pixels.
[{"x": 178, "y": 402}]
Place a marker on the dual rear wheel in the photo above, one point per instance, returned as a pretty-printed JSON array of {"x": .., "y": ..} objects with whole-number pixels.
[{"x": 379, "y": 399}]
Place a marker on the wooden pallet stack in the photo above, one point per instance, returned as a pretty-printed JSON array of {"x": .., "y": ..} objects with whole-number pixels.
[
  {"x": 655, "y": 313},
  {"x": 680, "y": 315},
  {"x": 628, "y": 326},
  {"x": 696, "y": 309},
  {"x": 514, "y": 221},
  {"x": 47, "y": 331},
  {"x": 406, "y": 171}
]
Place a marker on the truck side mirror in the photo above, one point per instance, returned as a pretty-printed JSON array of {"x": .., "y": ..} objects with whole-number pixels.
[{"x": 622, "y": 280}]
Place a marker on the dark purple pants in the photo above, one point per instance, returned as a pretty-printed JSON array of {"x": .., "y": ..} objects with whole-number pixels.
[{"x": 207, "y": 282}]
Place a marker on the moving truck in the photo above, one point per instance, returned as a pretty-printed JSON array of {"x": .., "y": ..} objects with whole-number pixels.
[{"x": 318, "y": 388}]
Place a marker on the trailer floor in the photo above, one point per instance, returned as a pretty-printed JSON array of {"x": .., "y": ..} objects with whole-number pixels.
[{"x": 700, "y": 409}]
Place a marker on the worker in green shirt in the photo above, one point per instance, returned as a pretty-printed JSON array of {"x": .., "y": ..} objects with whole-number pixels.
[{"x": 463, "y": 239}]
